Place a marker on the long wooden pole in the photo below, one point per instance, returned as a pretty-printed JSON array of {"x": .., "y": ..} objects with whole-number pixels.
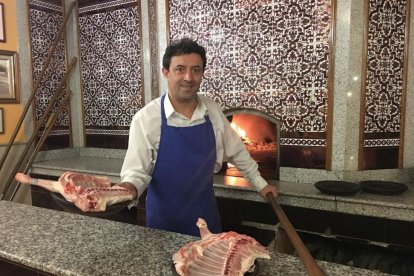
[
  {"x": 31, "y": 97},
  {"x": 307, "y": 259},
  {"x": 44, "y": 117}
]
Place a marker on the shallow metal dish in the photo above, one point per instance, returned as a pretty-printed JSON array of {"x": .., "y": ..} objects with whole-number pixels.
[
  {"x": 337, "y": 187},
  {"x": 71, "y": 208},
  {"x": 383, "y": 187}
]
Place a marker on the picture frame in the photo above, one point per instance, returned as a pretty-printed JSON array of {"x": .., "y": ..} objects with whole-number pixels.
[
  {"x": 8, "y": 77},
  {"x": 2, "y": 25},
  {"x": 1, "y": 120}
]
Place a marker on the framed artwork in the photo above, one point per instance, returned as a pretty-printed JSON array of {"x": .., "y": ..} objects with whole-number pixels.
[
  {"x": 1, "y": 120},
  {"x": 8, "y": 85},
  {"x": 2, "y": 27}
]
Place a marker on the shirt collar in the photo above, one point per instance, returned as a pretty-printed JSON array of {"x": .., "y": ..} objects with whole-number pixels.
[{"x": 200, "y": 111}]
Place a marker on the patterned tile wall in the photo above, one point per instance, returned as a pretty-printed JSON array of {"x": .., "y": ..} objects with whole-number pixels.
[
  {"x": 111, "y": 69},
  {"x": 45, "y": 19},
  {"x": 269, "y": 55},
  {"x": 384, "y": 82}
]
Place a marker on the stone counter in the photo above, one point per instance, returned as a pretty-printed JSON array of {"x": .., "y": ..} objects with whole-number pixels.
[
  {"x": 296, "y": 194},
  {"x": 61, "y": 243}
]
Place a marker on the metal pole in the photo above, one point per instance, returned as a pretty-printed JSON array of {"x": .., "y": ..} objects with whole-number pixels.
[
  {"x": 49, "y": 126},
  {"x": 41, "y": 122}
]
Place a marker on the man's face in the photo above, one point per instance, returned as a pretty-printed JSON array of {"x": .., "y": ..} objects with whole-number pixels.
[{"x": 184, "y": 76}]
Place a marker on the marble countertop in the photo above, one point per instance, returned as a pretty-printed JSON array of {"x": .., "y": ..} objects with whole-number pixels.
[
  {"x": 62, "y": 243},
  {"x": 400, "y": 207}
]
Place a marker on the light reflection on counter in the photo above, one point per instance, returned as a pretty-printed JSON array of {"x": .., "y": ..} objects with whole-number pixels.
[{"x": 232, "y": 181}]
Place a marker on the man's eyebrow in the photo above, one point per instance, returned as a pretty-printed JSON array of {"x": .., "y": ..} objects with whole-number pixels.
[{"x": 195, "y": 66}]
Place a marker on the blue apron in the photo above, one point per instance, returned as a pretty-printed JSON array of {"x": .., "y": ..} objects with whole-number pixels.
[{"x": 181, "y": 189}]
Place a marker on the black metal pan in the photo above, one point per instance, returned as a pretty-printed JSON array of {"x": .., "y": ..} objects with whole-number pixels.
[
  {"x": 71, "y": 208},
  {"x": 337, "y": 187},
  {"x": 383, "y": 187}
]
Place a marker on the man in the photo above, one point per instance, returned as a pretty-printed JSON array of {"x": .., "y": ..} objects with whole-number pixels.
[{"x": 177, "y": 142}]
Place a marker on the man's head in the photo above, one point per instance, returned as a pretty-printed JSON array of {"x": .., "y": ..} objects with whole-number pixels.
[
  {"x": 182, "y": 47},
  {"x": 183, "y": 67}
]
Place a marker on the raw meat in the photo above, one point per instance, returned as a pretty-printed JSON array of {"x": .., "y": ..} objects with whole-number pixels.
[
  {"x": 84, "y": 180},
  {"x": 89, "y": 193},
  {"x": 74, "y": 184},
  {"x": 96, "y": 199},
  {"x": 227, "y": 253}
]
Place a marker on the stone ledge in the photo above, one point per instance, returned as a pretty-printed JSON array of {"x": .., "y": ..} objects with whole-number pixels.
[{"x": 109, "y": 162}]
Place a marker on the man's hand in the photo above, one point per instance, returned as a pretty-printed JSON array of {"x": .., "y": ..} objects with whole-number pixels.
[
  {"x": 269, "y": 189},
  {"x": 130, "y": 187}
]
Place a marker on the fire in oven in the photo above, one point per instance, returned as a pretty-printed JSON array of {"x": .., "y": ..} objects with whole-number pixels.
[{"x": 260, "y": 134}]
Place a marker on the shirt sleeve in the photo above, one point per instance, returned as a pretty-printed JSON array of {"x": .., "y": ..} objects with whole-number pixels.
[
  {"x": 138, "y": 162},
  {"x": 236, "y": 153}
]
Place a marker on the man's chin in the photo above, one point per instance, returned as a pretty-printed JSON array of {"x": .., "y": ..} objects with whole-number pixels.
[{"x": 189, "y": 94}]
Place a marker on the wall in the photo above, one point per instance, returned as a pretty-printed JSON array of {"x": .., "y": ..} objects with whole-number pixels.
[
  {"x": 348, "y": 64},
  {"x": 46, "y": 19},
  {"x": 11, "y": 112},
  {"x": 348, "y": 52},
  {"x": 110, "y": 47}
]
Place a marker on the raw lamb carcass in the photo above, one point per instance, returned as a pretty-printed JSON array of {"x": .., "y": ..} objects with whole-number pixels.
[
  {"x": 228, "y": 253},
  {"x": 96, "y": 199},
  {"x": 89, "y": 193}
]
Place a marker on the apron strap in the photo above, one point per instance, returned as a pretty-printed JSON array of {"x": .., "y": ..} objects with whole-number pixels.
[{"x": 163, "y": 118}]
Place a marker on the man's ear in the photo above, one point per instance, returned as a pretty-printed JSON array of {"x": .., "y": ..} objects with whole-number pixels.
[{"x": 165, "y": 71}]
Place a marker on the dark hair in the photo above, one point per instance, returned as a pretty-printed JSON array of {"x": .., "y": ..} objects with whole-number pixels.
[{"x": 182, "y": 47}]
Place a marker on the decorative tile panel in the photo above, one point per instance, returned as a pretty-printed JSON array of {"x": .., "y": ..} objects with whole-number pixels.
[
  {"x": 45, "y": 21},
  {"x": 384, "y": 76},
  {"x": 269, "y": 55},
  {"x": 111, "y": 70}
]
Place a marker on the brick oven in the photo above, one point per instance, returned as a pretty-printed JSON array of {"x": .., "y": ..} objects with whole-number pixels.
[{"x": 260, "y": 133}]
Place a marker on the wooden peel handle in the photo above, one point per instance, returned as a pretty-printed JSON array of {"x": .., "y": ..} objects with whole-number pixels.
[{"x": 310, "y": 264}]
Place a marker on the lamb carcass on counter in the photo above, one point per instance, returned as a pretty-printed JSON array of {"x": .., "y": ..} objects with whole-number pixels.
[
  {"x": 89, "y": 193},
  {"x": 228, "y": 253}
]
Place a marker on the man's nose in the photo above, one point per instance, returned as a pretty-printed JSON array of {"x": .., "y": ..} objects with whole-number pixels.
[{"x": 189, "y": 75}]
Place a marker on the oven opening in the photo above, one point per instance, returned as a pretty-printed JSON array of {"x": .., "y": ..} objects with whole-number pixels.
[{"x": 260, "y": 135}]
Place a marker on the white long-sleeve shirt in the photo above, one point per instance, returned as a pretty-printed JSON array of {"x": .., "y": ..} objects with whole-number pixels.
[{"x": 144, "y": 140}]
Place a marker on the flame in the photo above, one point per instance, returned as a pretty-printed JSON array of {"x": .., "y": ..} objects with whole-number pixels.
[{"x": 239, "y": 130}]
